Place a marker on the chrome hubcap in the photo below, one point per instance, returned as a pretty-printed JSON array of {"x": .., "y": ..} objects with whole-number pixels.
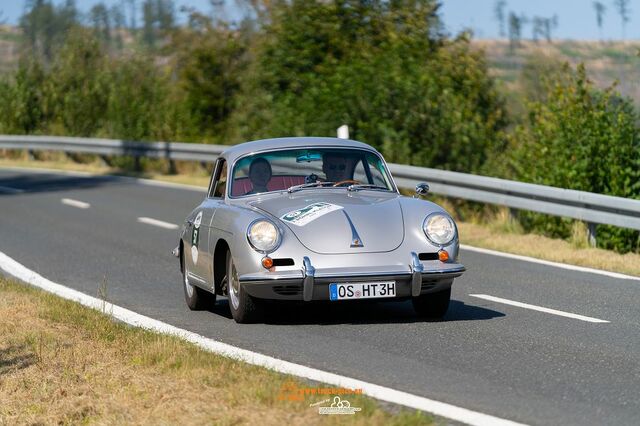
[
  {"x": 234, "y": 286},
  {"x": 188, "y": 287}
]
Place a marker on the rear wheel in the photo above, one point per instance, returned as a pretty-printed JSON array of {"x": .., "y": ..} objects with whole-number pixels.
[
  {"x": 197, "y": 299},
  {"x": 244, "y": 308},
  {"x": 432, "y": 305}
]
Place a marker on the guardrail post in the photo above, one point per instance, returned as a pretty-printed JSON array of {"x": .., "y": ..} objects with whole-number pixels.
[
  {"x": 172, "y": 167},
  {"x": 591, "y": 229}
]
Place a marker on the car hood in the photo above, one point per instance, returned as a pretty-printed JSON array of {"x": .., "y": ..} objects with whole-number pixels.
[{"x": 334, "y": 221}]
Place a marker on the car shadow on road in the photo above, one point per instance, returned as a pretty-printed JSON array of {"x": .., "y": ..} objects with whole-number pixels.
[{"x": 361, "y": 312}]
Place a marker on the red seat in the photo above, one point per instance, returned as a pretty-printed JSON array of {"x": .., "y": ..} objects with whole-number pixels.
[{"x": 243, "y": 185}]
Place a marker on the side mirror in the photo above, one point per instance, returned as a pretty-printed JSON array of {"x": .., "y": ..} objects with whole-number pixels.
[{"x": 422, "y": 189}]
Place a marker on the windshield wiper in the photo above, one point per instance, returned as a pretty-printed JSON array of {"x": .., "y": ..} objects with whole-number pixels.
[
  {"x": 307, "y": 185},
  {"x": 356, "y": 187}
]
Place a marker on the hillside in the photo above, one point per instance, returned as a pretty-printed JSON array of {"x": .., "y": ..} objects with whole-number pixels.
[
  {"x": 605, "y": 62},
  {"x": 9, "y": 40}
]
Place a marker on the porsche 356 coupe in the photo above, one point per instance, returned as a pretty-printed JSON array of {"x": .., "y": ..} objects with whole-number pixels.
[{"x": 313, "y": 219}]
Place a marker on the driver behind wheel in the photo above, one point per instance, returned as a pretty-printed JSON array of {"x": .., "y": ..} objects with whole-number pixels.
[
  {"x": 336, "y": 167},
  {"x": 259, "y": 175}
]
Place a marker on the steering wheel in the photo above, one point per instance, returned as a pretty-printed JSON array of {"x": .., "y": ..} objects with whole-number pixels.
[{"x": 346, "y": 181}]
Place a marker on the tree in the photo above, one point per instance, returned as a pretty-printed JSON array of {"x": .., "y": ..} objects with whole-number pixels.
[
  {"x": 498, "y": 12},
  {"x": 77, "y": 81},
  {"x": 622, "y": 6},
  {"x": 515, "y": 30},
  {"x": 548, "y": 25},
  {"x": 45, "y": 26},
  {"x": 159, "y": 19},
  {"x": 537, "y": 28},
  {"x": 583, "y": 138},
  {"x": 116, "y": 12},
  {"x": 148, "y": 25},
  {"x": 101, "y": 22},
  {"x": 133, "y": 7},
  {"x": 600, "y": 11}
]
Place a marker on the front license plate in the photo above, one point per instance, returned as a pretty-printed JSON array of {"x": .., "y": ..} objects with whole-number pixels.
[{"x": 342, "y": 291}]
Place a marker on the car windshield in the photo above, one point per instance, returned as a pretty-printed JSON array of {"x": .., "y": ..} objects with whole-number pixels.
[{"x": 281, "y": 170}]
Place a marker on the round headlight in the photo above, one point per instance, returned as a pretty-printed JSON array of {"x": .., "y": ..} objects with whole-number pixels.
[
  {"x": 439, "y": 228},
  {"x": 263, "y": 236}
]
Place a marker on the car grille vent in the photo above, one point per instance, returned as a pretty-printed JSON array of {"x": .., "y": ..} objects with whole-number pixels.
[
  {"x": 285, "y": 261},
  {"x": 428, "y": 256},
  {"x": 288, "y": 290},
  {"x": 428, "y": 285}
]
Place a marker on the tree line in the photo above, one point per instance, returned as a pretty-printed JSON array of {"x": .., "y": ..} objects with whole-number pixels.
[{"x": 303, "y": 67}]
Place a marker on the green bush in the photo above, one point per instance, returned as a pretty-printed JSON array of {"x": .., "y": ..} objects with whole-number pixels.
[{"x": 579, "y": 138}]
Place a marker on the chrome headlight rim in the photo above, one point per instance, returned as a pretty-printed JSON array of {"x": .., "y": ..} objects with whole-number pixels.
[
  {"x": 454, "y": 228},
  {"x": 276, "y": 243}
]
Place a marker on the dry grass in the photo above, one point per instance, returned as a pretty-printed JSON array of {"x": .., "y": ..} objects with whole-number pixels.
[
  {"x": 555, "y": 250},
  {"x": 189, "y": 174},
  {"x": 61, "y": 363}
]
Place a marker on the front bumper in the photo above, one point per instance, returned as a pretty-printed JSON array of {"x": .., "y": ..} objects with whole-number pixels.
[{"x": 311, "y": 284}]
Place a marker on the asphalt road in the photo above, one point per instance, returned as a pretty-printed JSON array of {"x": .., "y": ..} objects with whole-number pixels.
[{"x": 508, "y": 361}]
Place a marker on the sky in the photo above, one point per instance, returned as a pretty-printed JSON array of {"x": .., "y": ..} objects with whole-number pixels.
[{"x": 577, "y": 19}]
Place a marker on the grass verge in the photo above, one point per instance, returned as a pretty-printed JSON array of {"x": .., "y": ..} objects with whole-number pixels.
[
  {"x": 62, "y": 363},
  {"x": 493, "y": 231}
]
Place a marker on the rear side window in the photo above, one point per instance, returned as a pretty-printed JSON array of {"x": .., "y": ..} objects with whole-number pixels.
[{"x": 219, "y": 180}]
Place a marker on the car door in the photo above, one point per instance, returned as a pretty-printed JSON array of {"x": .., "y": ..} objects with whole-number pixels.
[{"x": 199, "y": 253}]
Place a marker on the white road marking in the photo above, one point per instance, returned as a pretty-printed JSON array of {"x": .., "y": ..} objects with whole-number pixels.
[
  {"x": 549, "y": 263},
  {"x": 379, "y": 392},
  {"x": 11, "y": 190},
  {"x": 75, "y": 203},
  {"x": 538, "y": 308},
  {"x": 158, "y": 223}
]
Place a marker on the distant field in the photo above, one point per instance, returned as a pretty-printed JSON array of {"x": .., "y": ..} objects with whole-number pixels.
[{"x": 605, "y": 62}]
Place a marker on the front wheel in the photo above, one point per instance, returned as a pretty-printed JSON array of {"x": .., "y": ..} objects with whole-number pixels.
[
  {"x": 244, "y": 308},
  {"x": 432, "y": 305}
]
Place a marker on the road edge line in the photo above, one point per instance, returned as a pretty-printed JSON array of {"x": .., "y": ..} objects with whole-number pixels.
[
  {"x": 19, "y": 271},
  {"x": 586, "y": 269}
]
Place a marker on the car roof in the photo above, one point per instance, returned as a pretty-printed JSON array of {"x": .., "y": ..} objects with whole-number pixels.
[{"x": 232, "y": 153}]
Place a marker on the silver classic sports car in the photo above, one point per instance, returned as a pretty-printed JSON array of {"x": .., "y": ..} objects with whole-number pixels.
[{"x": 314, "y": 219}]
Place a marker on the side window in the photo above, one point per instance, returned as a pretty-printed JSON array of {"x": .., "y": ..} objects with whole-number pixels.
[
  {"x": 219, "y": 180},
  {"x": 369, "y": 172},
  {"x": 359, "y": 173}
]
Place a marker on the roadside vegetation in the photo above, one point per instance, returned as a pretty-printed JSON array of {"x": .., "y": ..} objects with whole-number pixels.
[
  {"x": 387, "y": 69},
  {"x": 62, "y": 363}
]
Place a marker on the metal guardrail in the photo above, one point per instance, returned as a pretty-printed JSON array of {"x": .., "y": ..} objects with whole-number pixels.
[{"x": 585, "y": 206}]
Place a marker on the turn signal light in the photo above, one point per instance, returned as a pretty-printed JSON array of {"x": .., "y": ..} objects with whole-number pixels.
[
  {"x": 443, "y": 255},
  {"x": 267, "y": 262}
]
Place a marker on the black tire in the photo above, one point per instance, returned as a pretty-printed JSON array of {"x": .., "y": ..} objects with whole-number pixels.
[
  {"x": 433, "y": 305},
  {"x": 197, "y": 299},
  {"x": 244, "y": 308}
]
